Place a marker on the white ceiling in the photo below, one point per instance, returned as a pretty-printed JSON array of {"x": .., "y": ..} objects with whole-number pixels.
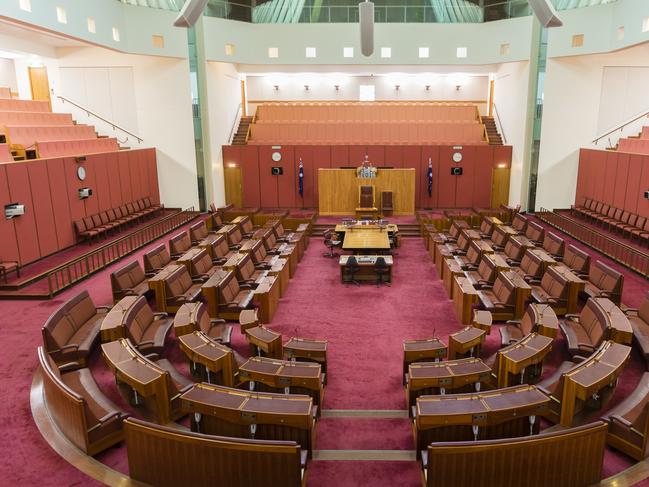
[{"x": 30, "y": 35}]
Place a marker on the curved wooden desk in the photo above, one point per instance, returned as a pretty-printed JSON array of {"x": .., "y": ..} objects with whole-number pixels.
[
  {"x": 521, "y": 361},
  {"x": 216, "y": 361}
]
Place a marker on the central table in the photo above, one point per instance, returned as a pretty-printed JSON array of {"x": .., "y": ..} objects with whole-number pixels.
[
  {"x": 366, "y": 240},
  {"x": 366, "y": 265}
]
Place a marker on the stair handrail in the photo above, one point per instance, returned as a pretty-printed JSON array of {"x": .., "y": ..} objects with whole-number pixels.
[
  {"x": 499, "y": 122},
  {"x": 96, "y": 115},
  {"x": 621, "y": 126},
  {"x": 235, "y": 124}
]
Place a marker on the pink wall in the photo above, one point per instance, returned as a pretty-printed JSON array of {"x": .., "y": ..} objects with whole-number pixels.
[
  {"x": 615, "y": 178},
  {"x": 49, "y": 190},
  {"x": 262, "y": 189}
]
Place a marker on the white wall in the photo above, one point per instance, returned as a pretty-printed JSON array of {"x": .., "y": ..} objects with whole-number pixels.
[
  {"x": 8, "y": 74},
  {"x": 571, "y": 116},
  {"x": 160, "y": 108},
  {"x": 624, "y": 94},
  {"x": 224, "y": 97},
  {"x": 510, "y": 95}
]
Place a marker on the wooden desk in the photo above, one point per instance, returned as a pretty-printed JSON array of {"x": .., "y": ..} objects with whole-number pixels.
[
  {"x": 390, "y": 227},
  {"x": 141, "y": 381},
  {"x": 248, "y": 318},
  {"x": 464, "y": 297},
  {"x": 450, "y": 269},
  {"x": 264, "y": 340},
  {"x": 366, "y": 240},
  {"x": 187, "y": 258},
  {"x": 366, "y": 265},
  {"x": 465, "y": 343},
  {"x": 620, "y": 330},
  {"x": 441, "y": 377},
  {"x": 430, "y": 349},
  {"x": 307, "y": 350},
  {"x": 266, "y": 296},
  {"x": 284, "y": 375},
  {"x": 216, "y": 361},
  {"x": 522, "y": 361},
  {"x": 157, "y": 284},
  {"x": 502, "y": 413},
  {"x": 545, "y": 320},
  {"x": 224, "y": 411},
  {"x": 112, "y": 327},
  {"x": 546, "y": 259},
  {"x": 522, "y": 293},
  {"x": 575, "y": 286},
  {"x": 483, "y": 320}
]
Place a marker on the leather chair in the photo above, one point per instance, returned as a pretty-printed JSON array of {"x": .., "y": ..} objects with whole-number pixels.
[
  {"x": 349, "y": 270},
  {"x": 156, "y": 259},
  {"x": 554, "y": 245},
  {"x": 386, "y": 203},
  {"x": 471, "y": 260},
  {"x": 381, "y": 268},
  {"x": 515, "y": 330},
  {"x": 586, "y": 331},
  {"x": 198, "y": 233},
  {"x": 71, "y": 332},
  {"x": 499, "y": 299},
  {"x": 485, "y": 275},
  {"x": 519, "y": 223},
  {"x": 130, "y": 280},
  {"x": 531, "y": 267},
  {"x": 577, "y": 260},
  {"x": 180, "y": 288},
  {"x": 535, "y": 233},
  {"x": 331, "y": 241},
  {"x": 146, "y": 329},
  {"x": 201, "y": 266},
  {"x": 221, "y": 251},
  {"x": 233, "y": 298},
  {"x": 247, "y": 272},
  {"x": 6, "y": 267},
  {"x": 486, "y": 227},
  {"x": 639, "y": 319},
  {"x": 604, "y": 282},
  {"x": 179, "y": 244},
  {"x": 552, "y": 290},
  {"x": 199, "y": 320}
]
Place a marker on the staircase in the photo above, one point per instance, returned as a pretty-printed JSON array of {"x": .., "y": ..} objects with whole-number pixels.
[
  {"x": 405, "y": 229},
  {"x": 242, "y": 131},
  {"x": 492, "y": 131}
]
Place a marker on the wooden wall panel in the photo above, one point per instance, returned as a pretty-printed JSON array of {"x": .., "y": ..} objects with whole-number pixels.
[
  {"x": 643, "y": 203},
  {"x": 357, "y": 155},
  {"x": 152, "y": 164},
  {"x": 114, "y": 182},
  {"x": 60, "y": 202},
  {"x": 447, "y": 184},
  {"x": 411, "y": 158},
  {"x": 8, "y": 243},
  {"x": 633, "y": 183},
  {"x": 40, "y": 190},
  {"x": 482, "y": 176},
  {"x": 25, "y": 225},
  {"x": 91, "y": 203},
  {"x": 102, "y": 188},
  {"x": 249, "y": 160},
  {"x": 610, "y": 172},
  {"x": 268, "y": 183},
  {"x": 125, "y": 176},
  {"x": 376, "y": 154},
  {"x": 339, "y": 156},
  {"x": 393, "y": 156},
  {"x": 134, "y": 172},
  {"x": 321, "y": 160},
  {"x": 77, "y": 207},
  {"x": 464, "y": 184},
  {"x": 287, "y": 188}
]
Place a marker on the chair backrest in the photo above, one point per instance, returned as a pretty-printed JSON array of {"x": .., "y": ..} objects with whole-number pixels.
[
  {"x": 607, "y": 279},
  {"x": 499, "y": 237},
  {"x": 594, "y": 320},
  {"x": 554, "y": 284},
  {"x": 156, "y": 258},
  {"x": 633, "y": 218},
  {"x": 201, "y": 262},
  {"x": 138, "y": 318},
  {"x": 577, "y": 259},
  {"x": 535, "y": 232},
  {"x": 178, "y": 282},
  {"x": 504, "y": 289},
  {"x": 198, "y": 231},
  {"x": 220, "y": 247},
  {"x": 246, "y": 224},
  {"x": 519, "y": 223},
  {"x": 473, "y": 253},
  {"x": 386, "y": 200},
  {"x": 66, "y": 320},
  {"x": 179, "y": 244},
  {"x": 351, "y": 261},
  {"x": 487, "y": 268},
  {"x": 246, "y": 267},
  {"x": 380, "y": 262},
  {"x": 486, "y": 225},
  {"x": 127, "y": 277},
  {"x": 553, "y": 244},
  {"x": 456, "y": 228},
  {"x": 228, "y": 288},
  {"x": 258, "y": 252},
  {"x": 366, "y": 196}
]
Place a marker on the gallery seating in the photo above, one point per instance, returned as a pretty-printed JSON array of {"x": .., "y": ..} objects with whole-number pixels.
[
  {"x": 78, "y": 407},
  {"x": 604, "y": 281},
  {"x": 157, "y": 259},
  {"x": 26, "y": 137},
  {"x": 628, "y": 422},
  {"x": 639, "y": 319},
  {"x": 194, "y": 317},
  {"x": 548, "y": 457},
  {"x": 71, "y": 332},
  {"x": 34, "y": 118},
  {"x": 614, "y": 219},
  {"x": 58, "y": 148},
  {"x": 99, "y": 224},
  {"x": 130, "y": 280},
  {"x": 7, "y": 267},
  {"x": 147, "y": 330},
  {"x": 165, "y": 456}
]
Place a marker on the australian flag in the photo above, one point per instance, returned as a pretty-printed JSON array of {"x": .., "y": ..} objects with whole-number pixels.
[
  {"x": 430, "y": 177},
  {"x": 300, "y": 178}
]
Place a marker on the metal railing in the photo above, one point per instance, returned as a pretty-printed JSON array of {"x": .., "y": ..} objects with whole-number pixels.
[
  {"x": 235, "y": 124},
  {"x": 90, "y": 113},
  {"x": 626, "y": 255},
  {"x": 620, "y": 128},
  {"x": 74, "y": 271},
  {"x": 500, "y": 125}
]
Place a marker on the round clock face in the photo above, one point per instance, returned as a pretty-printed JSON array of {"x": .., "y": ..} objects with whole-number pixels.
[
  {"x": 81, "y": 173},
  {"x": 277, "y": 156},
  {"x": 457, "y": 157}
]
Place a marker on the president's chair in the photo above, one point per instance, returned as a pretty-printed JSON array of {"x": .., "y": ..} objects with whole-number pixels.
[
  {"x": 332, "y": 241},
  {"x": 366, "y": 205}
]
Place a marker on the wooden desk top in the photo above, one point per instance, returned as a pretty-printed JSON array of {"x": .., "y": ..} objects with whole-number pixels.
[
  {"x": 114, "y": 317},
  {"x": 263, "y": 334},
  {"x": 244, "y": 407},
  {"x": 523, "y": 241},
  {"x": 191, "y": 254},
  {"x": 305, "y": 346},
  {"x": 499, "y": 261},
  {"x": 472, "y": 234},
  {"x": 482, "y": 408},
  {"x": 215, "y": 279},
  {"x": 203, "y": 346},
  {"x": 282, "y": 373},
  {"x": 464, "y": 367},
  {"x": 414, "y": 350},
  {"x": 542, "y": 255},
  {"x": 527, "y": 348},
  {"x": 467, "y": 335},
  {"x": 619, "y": 320},
  {"x": 507, "y": 229},
  {"x": 366, "y": 239},
  {"x": 165, "y": 272},
  {"x": 366, "y": 260},
  {"x": 601, "y": 367},
  {"x": 485, "y": 247},
  {"x": 465, "y": 285},
  {"x": 569, "y": 275},
  {"x": 341, "y": 228},
  {"x": 122, "y": 357},
  {"x": 517, "y": 280}
]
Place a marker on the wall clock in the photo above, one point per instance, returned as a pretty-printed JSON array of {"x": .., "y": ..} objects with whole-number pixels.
[
  {"x": 457, "y": 157},
  {"x": 276, "y": 156},
  {"x": 81, "y": 173}
]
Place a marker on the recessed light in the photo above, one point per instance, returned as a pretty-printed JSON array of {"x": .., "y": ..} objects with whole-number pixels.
[
  {"x": 461, "y": 52},
  {"x": 424, "y": 52},
  {"x": 645, "y": 24},
  {"x": 115, "y": 34},
  {"x": 25, "y": 5},
  {"x": 273, "y": 52},
  {"x": 310, "y": 52},
  {"x": 61, "y": 17},
  {"x": 620, "y": 33},
  {"x": 229, "y": 49},
  {"x": 504, "y": 49},
  {"x": 92, "y": 28},
  {"x": 386, "y": 52},
  {"x": 348, "y": 52}
]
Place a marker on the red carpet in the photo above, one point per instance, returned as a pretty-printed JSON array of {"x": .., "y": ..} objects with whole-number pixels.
[{"x": 365, "y": 327}]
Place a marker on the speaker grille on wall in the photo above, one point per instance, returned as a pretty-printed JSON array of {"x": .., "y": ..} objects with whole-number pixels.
[
  {"x": 545, "y": 12},
  {"x": 366, "y": 22},
  {"x": 190, "y": 13}
]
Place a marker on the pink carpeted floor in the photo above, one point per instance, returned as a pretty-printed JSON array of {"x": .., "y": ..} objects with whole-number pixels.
[{"x": 365, "y": 327}]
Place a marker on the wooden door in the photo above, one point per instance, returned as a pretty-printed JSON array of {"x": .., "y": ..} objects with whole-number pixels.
[
  {"x": 500, "y": 187},
  {"x": 39, "y": 84},
  {"x": 232, "y": 182}
]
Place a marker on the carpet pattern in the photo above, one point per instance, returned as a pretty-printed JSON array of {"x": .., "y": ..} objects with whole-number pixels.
[{"x": 365, "y": 327}]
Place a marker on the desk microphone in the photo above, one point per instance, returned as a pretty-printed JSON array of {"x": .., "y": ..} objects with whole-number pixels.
[{"x": 434, "y": 330}]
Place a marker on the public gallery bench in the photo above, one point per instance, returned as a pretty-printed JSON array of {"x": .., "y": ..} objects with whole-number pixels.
[
  {"x": 163, "y": 456},
  {"x": 78, "y": 407},
  {"x": 568, "y": 458},
  {"x": 72, "y": 330}
]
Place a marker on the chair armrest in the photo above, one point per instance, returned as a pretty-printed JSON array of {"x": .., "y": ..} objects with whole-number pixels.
[
  {"x": 107, "y": 308},
  {"x": 146, "y": 342},
  {"x": 487, "y": 287},
  {"x": 175, "y": 256},
  {"x": 69, "y": 346},
  {"x": 513, "y": 262},
  {"x": 152, "y": 273},
  {"x": 513, "y": 322},
  {"x": 586, "y": 346},
  {"x": 498, "y": 304},
  {"x": 234, "y": 247},
  {"x": 273, "y": 252},
  {"x": 578, "y": 358},
  {"x": 620, "y": 419},
  {"x": 572, "y": 316},
  {"x": 631, "y": 310},
  {"x": 200, "y": 279},
  {"x": 218, "y": 261},
  {"x": 262, "y": 267},
  {"x": 245, "y": 286},
  {"x": 161, "y": 314},
  {"x": 216, "y": 322},
  {"x": 68, "y": 366}
]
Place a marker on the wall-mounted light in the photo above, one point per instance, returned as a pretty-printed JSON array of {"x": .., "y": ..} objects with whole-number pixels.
[
  {"x": 306, "y": 87},
  {"x": 232, "y": 164},
  {"x": 276, "y": 87},
  {"x": 13, "y": 210},
  {"x": 396, "y": 87},
  {"x": 427, "y": 87},
  {"x": 502, "y": 165},
  {"x": 85, "y": 193},
  {"x": 337, "y": 87}
]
